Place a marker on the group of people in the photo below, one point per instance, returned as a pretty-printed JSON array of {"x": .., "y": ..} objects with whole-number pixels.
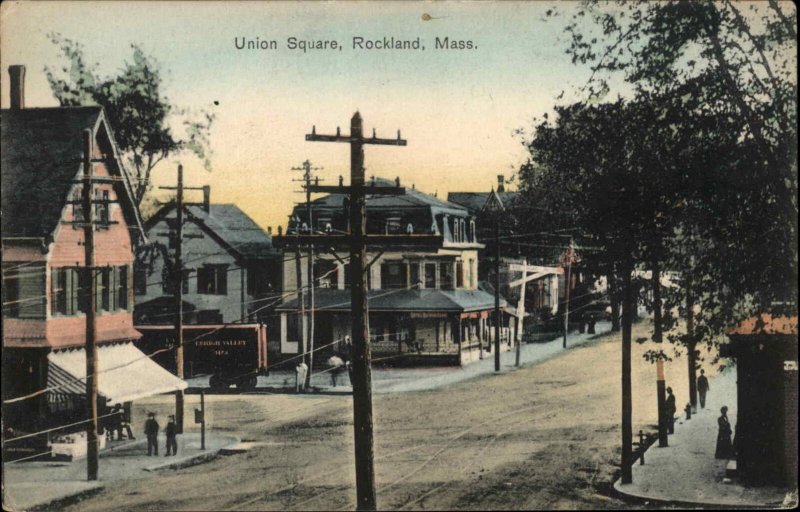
[
  {"x": 118, "y": 421},
  {"x": 725, "y": 448},
  {"x": 151, "y": 431}
]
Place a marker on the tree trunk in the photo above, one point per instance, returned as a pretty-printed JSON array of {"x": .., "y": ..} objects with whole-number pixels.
[
  {"x": 627, "y": 423},
  {"x": 614, "y": 299},
  {"x": 661, "y": 395},
  {"x": 691, "y": 347}
]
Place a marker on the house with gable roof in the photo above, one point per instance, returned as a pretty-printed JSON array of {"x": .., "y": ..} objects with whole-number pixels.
[
  {"x": 44, "y": 281},
  {"x": 232, "y": 271}
]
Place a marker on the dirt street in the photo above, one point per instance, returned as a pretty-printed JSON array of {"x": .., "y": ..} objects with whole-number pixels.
[{"x": 545, "y": 437}]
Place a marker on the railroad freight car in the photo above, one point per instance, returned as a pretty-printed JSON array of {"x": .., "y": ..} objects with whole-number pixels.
[{"x": 231, "y": 355}]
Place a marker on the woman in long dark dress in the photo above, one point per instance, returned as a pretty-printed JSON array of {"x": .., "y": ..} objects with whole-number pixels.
[{"x": 724, "y": 444}]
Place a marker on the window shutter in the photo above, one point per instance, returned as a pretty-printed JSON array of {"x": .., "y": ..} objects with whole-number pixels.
[
  {"x": 71, "y": 291},
  {"x": 97, "y": 293},
  {"x": 113, "y": 293},
  {"x": 54, "y": 291},
  {"x": 32, "y": 292}
]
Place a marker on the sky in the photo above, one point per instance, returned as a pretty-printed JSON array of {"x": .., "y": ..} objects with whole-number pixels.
[{"x": 458, "y": 109}]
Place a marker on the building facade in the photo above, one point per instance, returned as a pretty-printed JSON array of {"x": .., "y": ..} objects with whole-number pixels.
[
  {"x": 44, "y": 277},
  {"x": 231, "y": 270},
  {"x": 423, "y": 301}
]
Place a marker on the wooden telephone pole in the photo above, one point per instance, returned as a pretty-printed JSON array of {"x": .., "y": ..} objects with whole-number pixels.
[
  {"x": 357, "y": 241},
  {"x": 307, "y": 170},
  {"x": 567, "y": 260},
  {"x": 177, "y": 281},
  {"x": 92, "y": 449}
]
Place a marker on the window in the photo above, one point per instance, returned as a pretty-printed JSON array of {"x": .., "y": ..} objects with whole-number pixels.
[
  {"x": 393, "y": 275},
  {"x": 102, "y": 289},
  {"x": 24, "y": 291},
  {"x": 101, "y": 208},
  {"x": 77, "y": 208},
  {"x": 325, "y": 274},
  {"x": 187, "y": 274},
  {"x": 140, "y": 281},
  {"x": 460, "y": 274},
  {"x": 58, "y": 291},
  {"x": 430, "y": 275},
  {"x": 415, "y": 279},
  {"x": 293, "y": 327},
  {"x": 446, "y": 276},
  {"x": 393, "y": 225},
  {"x": 168, "y": 281},
  {"x": 212, "y": 279},
  {"x": 472, "y": 232},
  {"x": 122, "y": 287}
]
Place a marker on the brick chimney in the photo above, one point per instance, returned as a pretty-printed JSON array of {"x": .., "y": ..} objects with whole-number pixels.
[
  {"x": 501, "y": 183},
  {"x": 207, "y": 198},
  {"x": 17, "y": 86}
]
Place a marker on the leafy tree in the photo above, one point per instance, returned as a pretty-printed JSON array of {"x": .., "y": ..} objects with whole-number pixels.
[
  {"x": 139, "y": 112},
  {"x": 734, "y": 63}
]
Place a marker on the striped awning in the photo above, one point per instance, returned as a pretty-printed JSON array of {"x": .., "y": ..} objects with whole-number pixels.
[
  {"x": 125, "y": 373},
  {"x": 61, "y": 382}
]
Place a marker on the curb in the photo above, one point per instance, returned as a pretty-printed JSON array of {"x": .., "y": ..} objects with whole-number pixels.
[
  {"x": 194, "y": 460},
  {"x": 647, "y": 500}
]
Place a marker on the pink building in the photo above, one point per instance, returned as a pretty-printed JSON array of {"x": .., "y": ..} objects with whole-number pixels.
[{"x": 43, "y": 252}]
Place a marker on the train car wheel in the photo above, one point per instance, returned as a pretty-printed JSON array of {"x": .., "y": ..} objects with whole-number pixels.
[
  {"x": 247, "y": 383},
  {"x": 217, "y": 383}
]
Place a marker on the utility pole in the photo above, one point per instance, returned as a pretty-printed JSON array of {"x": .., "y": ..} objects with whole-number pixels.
[
  {"x": 307, "y": 170},
  {"x": 494, "y": 206},
  {"x": 177, "y": 281},
  {"x": 661, "y": 393},
  {"x": 357, "y": 240},
  {"x": 497, "y": 317},
  {"x": 301, "y": 303},
  {"x": 521, "y": 311},
  {"x": 567, "y": 261},
  {"x": 691, "y": 345},
  {"x": 92, "y": 448},
  {"x": 627, "y": 397}
]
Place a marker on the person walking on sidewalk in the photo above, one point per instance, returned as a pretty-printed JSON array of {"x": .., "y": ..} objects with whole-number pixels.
[
  {"x": 151, "y": 431},
  {"x": 702, "y": 388},
  {"x": 724, "y": 444},
  {"x": 172, "y": 433},
  {"x": 335, "y": 366},
  {"x": 669, "y": 409}
]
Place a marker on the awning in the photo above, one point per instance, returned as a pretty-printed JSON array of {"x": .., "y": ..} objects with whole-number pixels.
[{"x": 125, "y": 374}]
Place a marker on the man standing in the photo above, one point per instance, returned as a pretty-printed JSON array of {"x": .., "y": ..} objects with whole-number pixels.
[
  {"x": 335, "y": 366},
  {"x": 670, "y": 409},
  {"x": 151, "y": 431},
  {"x": 702, "y": 388},
  {"x": 172, "y": 432}
]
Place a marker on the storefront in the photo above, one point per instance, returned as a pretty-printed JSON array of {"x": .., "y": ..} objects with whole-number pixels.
[{"x": 125, "y": 374}]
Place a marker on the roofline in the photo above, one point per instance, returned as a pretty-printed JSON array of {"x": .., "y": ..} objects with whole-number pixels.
[
  {"x": 121, "y": 169},
  {"x": 161, "y": 215}
]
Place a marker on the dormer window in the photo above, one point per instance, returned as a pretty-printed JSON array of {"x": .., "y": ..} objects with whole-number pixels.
[{"x": 393, "y": 225}]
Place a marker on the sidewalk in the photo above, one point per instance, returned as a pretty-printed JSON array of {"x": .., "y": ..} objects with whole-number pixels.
[
  {"x": 686, "y": 472},
  {"x": 36, "y": 484},
  {"x": 398, "y": 380}
]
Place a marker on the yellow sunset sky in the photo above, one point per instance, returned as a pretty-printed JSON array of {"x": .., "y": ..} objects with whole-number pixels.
[{"x": 457, "y": 108}]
